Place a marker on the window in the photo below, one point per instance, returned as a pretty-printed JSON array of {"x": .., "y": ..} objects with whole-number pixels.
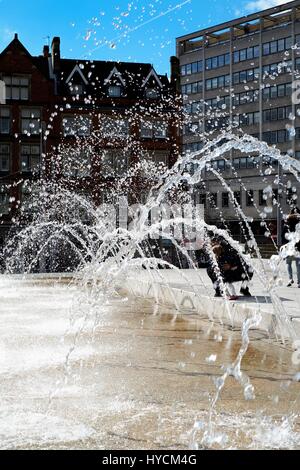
[
  {"x": 279, "y": 91},
  {"x": 245, "y": 76},
  {"x": 146, "y": 130},
  {"x": 217, "y": 61},
  {"x": 112, "y": 128},
  {"x": 282, "y": 136},
  {"x": 122, "y": 128},
  {"x": 17, "y": 88},
  {"x": 249, "y": 119},
  {"x": 151, "y": 93},
  {"x": 189, "y": 69},
  {"x": 4, "y": 157},
  {"x": 114, "y": 163},
  {"x": 30, "y": 158},
  {"x": 277, "y": 46},
  {"x": 194, "y": 67},
  {"x": 160, "y": 130},
  {"x": 262, "y": 198},
  {"x": 277, "y": 114},
  {"x": 31, "y": 118},
  {"x": 4, "y": 120},
  {"x": 274, "y": 137},
  {"x": 114, "y": 91},
  {"x": 243, "y": 163},
  {"x": 225, "y": 199},
  {"x": 266, "y": 48},
  {"x": 218, "y": 82},
  {"x": 219, "y": 165},
  {"x": 246, "y": 97},
  {"x": 189, "y": 88},
  {"x": 250, "y": 198},
  {"x": 202, "y": 199},
  {"x": 250, "y": 162},
  {"x": 279, "y": 67},
  {"x": 213, "y": 200},
  {"x": 4, "y": 200},
  {"x": 246, "y": 54},
  {"x": 237, "y": 197},
  {"x": 291, "y": 196},
  {"x": 76, "y": 88},
  {"x": 156, "y": 130},
  {"x": 76, "y": 163},
  {"x": 77, "y": 126}
]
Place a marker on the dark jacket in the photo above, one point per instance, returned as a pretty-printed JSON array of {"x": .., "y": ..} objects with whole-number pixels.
[{"x": 239, "y": 270}]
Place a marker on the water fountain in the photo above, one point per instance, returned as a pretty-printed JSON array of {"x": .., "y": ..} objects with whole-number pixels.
[{"x": 110, "y": 260}]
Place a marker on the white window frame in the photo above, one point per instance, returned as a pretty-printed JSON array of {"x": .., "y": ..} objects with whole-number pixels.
[
  {"x": 151, "y": 130},
  {"x": 17, "y": 87},
  {"x": 74, "y": 125},
  {"x": 31, "y": 153},
  {"x": 31, "y": 121}
]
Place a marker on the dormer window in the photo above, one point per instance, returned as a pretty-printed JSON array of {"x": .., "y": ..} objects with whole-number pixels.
[
  {"x": 151, "y": 93},
  {"x": 115, "y": 91},
  {"x": 76, "y": 81},
  {"x": 76, "y": 89}
]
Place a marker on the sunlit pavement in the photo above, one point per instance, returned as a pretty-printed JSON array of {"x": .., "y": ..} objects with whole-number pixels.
[{"x": 136, "y": 380}]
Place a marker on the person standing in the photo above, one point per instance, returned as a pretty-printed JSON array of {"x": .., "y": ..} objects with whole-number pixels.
[{"x": 293, "y": 253}]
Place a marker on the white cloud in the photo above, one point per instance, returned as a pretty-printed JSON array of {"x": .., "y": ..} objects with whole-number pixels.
[{"x": 264, "y": 4}]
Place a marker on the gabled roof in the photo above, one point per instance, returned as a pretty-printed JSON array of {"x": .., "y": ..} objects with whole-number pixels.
[
  {"x": 133, "y": 75},
  {"x": 77, "y": 69},
  {"x": 95, "y": 73},
  {"x": 115, "y": 72},
  {"x": 40, "y": 62},
  {"x": 15, "y": 44},
  {"x": 153, "y": 74}
]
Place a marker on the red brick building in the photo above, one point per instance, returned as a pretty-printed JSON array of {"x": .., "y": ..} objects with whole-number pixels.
[{"x": 108, "y": 114}]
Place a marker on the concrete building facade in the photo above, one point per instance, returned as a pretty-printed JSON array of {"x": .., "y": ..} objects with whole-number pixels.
[{"x": 238, "y": 76}]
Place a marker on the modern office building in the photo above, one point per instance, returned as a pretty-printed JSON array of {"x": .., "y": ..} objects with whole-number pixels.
[{"x": 238, "y": 75}]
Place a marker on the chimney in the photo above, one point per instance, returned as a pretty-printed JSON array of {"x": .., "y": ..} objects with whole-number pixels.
[
  {"x": 56, "y": 54},
  {"x": 46, "y": 51},
  {"x": 175, "y": 73}
]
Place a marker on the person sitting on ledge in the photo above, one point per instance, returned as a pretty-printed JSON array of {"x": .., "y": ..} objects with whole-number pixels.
[{"x": 228, "y": 268}]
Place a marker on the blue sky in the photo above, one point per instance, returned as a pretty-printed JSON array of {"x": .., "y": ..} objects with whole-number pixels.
[{"x": 129, "y": 30}]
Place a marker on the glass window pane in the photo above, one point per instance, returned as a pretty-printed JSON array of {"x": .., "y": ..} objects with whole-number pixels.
[
  {"x": 250, "y": 53},
  {"x": 243, "y": 54},
  {"x": 215, "y": 62},
  {"x": 256, "y": 51},
  {"x": 288, "y": 43},
  {"x": 273, "y": 47},
  {"x": 266, "y": 48}
]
